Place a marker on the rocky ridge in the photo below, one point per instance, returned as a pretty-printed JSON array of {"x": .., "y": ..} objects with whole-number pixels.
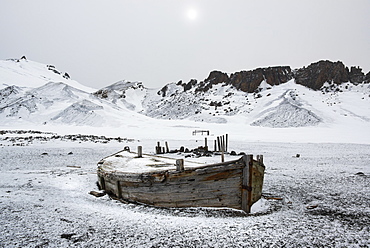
[
  {"x": 313, "y": 76},
  {"x": 222, "y": 94}
]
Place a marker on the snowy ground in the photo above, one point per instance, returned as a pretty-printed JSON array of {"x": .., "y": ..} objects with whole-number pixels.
[{"x": 44, "y": 200}]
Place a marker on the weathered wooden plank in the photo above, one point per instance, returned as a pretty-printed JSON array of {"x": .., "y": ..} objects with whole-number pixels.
[
  {"x": 118, "y": 189},
  {"x": 173, "y": 179},
  {"x": 205, "y": 170},
  {"x": 170, "y": 175},
  {"x": 203, "y": 202},
  {"x": 257, "y": 181},
  {"x": 185, "y": 188},
  {"x": 198, "y": 203},
  {"x": 193, "y": 204},
  {"x": 110, "y": 187},
  {"x": 174, "y": 201},
  {"x": 181, "y": 196},
  {"x": 201, "y": 177},
  {"x": 221, "y": 195},
  {"x": 246, "y": 183}
]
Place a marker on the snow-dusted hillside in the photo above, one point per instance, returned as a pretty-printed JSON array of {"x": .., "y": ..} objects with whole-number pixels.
[
  {"x": 37, "y": 96},
  {"x": 26, "y": 73},
  {"x": 280, "y": 106}
]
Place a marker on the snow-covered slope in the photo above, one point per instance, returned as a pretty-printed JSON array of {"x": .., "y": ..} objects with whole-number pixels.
[
  {"x": 34, "y": 96},
  {"x": 124, "y": 93},
  {"x": 26, "y": 73},
  {"x": 280, "y": 106}
]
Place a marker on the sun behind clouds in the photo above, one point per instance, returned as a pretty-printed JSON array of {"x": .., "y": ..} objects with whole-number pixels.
[{"x": 192, "y": 14}]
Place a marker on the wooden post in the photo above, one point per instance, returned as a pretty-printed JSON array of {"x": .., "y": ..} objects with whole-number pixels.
[
  {"x": 167, "y": 149},
  {"x": 219, "y": 143},
  {"x": 139, "y": 151},
  {"x": 260, "y": 159},
  {"x": 223, "y": 143},
  {"x": 227, "y": 140},
  {"x": 158, "y": 149},
  {"x": 215, "y": 146},
  {"x": 179, "y": 164},
  {"x": 205, "y": 145},
  {"x": 247, "y": 183},
  {"x": 222, "y": 155}
]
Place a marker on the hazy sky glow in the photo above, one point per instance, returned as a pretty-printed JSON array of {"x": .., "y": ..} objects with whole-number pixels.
[{"x": 157, "y": 42}]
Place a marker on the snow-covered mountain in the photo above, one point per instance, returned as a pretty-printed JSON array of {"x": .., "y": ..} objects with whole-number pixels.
[
  {"x": 280, "y": 103},
  {"x": 33, "y": 94},
  {"x": 323, "y": 94}
]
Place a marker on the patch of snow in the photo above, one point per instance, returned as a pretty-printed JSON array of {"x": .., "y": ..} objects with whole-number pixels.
[
  {"x": 287, "y": 115},
  {"x": 260, "y": 207},
  {"x": 81, "y": 113}
]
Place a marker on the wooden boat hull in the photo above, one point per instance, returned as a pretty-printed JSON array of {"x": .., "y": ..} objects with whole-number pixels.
[{"x": 236, "y": 184}]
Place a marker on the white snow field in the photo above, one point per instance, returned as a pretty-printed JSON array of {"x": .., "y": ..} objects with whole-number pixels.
[
  {"x": 322, "y": 199},
  {"x": 316, "y": 148}
]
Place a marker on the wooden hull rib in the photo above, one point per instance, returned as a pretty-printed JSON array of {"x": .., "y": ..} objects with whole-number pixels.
[{"x": 235, "y": 184}]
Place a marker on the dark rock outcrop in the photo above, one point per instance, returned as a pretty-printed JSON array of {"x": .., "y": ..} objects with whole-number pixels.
[
  {"x": 316, "y": 74},
  {"x": 313, "y": 76},
  {"x": 248, "y": 81},
  {"x": 66, "y": 75},
  {"x": 215, "y": 77},
  {"x": 101, "y": 93},
  {"x": 188, "y": 85},
  {"x": 356, "y": 75},
  {"x": 163, "y": 91}
]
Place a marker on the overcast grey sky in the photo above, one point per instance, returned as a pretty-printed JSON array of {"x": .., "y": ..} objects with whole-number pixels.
[{"x": 162, "y": 41}]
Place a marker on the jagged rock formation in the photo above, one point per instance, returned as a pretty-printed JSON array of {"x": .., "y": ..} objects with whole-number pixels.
[
  {"x": 313, "y": 76},
  {"x": 316, "y": 74},
  {"x": 247, "y": 81}
]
